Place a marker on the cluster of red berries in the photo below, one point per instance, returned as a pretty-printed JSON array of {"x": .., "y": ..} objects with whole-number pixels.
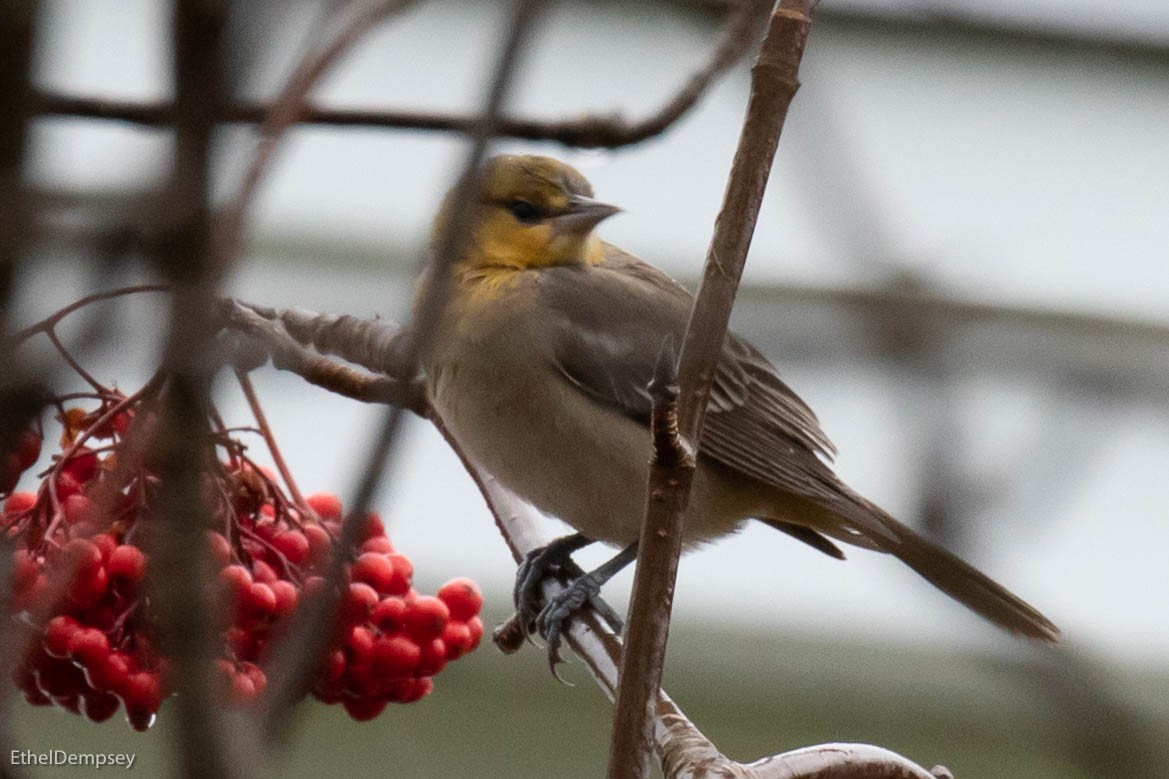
[
  {"x": 79, "y": 569},
  {"x": 388, "y": 641}
]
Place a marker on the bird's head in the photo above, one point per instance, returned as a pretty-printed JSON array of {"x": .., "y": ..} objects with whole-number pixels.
[{"x": 532, "y": 212}]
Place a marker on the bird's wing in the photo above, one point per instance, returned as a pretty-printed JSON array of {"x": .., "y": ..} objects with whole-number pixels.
[{"x": 615, "y": 318}]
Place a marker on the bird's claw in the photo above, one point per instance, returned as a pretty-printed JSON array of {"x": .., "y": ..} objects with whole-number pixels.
[
  {"x": 551, "y": 621},
  {"x": 528, "y": 594}
]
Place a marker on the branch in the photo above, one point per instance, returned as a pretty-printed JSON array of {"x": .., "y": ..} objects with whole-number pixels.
[
  {"x": 289, "y": 107},
  {"x": 208, "y": 742},
  {"x": 608, "y": 131},
  {"x": 773, "y": 84}
]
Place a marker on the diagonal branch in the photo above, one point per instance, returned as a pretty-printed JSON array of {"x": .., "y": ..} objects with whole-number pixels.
[{"x": 773, "y": 84}]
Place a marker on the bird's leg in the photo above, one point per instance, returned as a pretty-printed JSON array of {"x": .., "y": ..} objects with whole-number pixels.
[
  {"x": 582, "y": 589},
  {"x": 554, "y": 558}
]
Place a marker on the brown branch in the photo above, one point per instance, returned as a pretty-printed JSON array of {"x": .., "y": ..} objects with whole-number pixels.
[
  {"x": 773, "y": 84},
  {"x": 266, "y": 331},
  {"x": 208, "y": 743},
  {"x": 590, "y": 131}
]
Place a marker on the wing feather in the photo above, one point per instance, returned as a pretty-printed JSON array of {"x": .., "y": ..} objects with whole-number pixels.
[{"x": 615, "y": 318}]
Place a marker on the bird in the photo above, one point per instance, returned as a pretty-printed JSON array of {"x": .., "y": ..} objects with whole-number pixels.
[{"x": 540, "y": 365}]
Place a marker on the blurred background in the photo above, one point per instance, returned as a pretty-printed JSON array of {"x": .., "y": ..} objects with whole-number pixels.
[{"x": 961, "y": 266}]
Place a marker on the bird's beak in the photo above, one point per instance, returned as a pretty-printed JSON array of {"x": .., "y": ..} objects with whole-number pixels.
[{"x": 581, "y": 216}]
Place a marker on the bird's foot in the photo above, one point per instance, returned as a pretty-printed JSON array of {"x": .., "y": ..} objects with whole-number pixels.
[
  {"x": 552, "y": 619},
  {"x": 534, "y": 616},
  {"x": 551, "y": 561}
]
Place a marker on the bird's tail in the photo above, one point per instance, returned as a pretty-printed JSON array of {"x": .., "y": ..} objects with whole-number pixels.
[{"x": 868, "y": 526}]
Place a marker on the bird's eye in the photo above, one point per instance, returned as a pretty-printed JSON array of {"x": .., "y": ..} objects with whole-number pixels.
[{"x": 524, "y": 211}]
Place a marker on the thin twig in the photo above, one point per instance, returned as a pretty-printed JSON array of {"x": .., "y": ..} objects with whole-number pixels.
[
  {"x": 288, "y": 108},
  {"x": 607, "y": 131},
  {"x": 774, "y": 83},
  {"x": 296, "y": 659},
  {"x": 269, "y": 439},
  {"x": 50, "y": 322}
]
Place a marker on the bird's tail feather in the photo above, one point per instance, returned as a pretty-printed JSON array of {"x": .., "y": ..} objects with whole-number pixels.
[{"x": 872, "y": 527}]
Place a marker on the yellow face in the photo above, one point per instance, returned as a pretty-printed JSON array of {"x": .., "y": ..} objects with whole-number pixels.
[{"x": 534, "y": 212}]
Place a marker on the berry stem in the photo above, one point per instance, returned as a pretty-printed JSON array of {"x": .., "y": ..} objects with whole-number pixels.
[
  {"x": 245, "y": 384},
  {"x": 76, "y": 366}
]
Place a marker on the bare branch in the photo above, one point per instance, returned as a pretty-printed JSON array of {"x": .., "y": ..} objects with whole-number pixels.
[
  {"x": 773, "y": 84},
  {"x": 290, "y": 105},
  {"x": 209, "y": 743},
  {"x": 591, "y": 131}
]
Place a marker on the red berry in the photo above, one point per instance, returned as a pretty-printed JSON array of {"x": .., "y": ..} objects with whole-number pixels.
[
  {"x": 236, "y": 580},
  {"x": 243, "y": 689},
  {"x": 89, "y": 646},
  {"x": 256, "y": 674},
  {"x": 333, "y": 666},
  {"x": 79, "y": 509},
  {"x": 220, "y": 549},
  {"x": 24, "y": 569},
  {"x": 59, "y": 635},
  {"x": 357, "y": 602},
  {"x": 394, "y": 657},
  {"x": 82, "y": 466},
  {"x": 457, "y": 637},
  {"x": 127, "y": 565},
  {"x": 320, "y": 544},
  {"x": 462, "y": 597},
  {"x": 426, "y": 617},
  {"x": 433, "y": 658},
  {"x": 417, "y": 690},
  {"x": 389, "y": 615},
  {"x": 81, "y": 556},
  {"x": 18, "y": 503},
  {"x": 374, "y": 569},
  {"x": 294, "y": 545},
  {"x": 67, "y": 485},
  {"x": 378, "y": 544},
  {"x": 360, "y": 644},
  {"x": 325, "y": 504},
  {"x": 364, "y": 709},
  {"x": 32, "y": 594},
  {"x": 244, "y": 644},
  {"x": 257, "y": 605},
  {"x": 475, "y": 625},
  {"x": 142, "y": 696},
  {"x": 110, "y": 673},
  {"x": 99, "y": 706},
  {"x": 106, "y": 544},
  {"x": 403, "y": 573},
  {"x": 287, "y": 597},
  {"x": 262, "y": 572},
  {"x": 372, "y": 527},
  {"x": 89, "y": 586}
]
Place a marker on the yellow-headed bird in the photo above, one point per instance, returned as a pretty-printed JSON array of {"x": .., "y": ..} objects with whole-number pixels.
[{"x": 540, "y": 370}]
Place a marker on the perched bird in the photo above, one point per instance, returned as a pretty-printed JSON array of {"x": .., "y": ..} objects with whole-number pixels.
[{"x": 540, "y": 368}]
